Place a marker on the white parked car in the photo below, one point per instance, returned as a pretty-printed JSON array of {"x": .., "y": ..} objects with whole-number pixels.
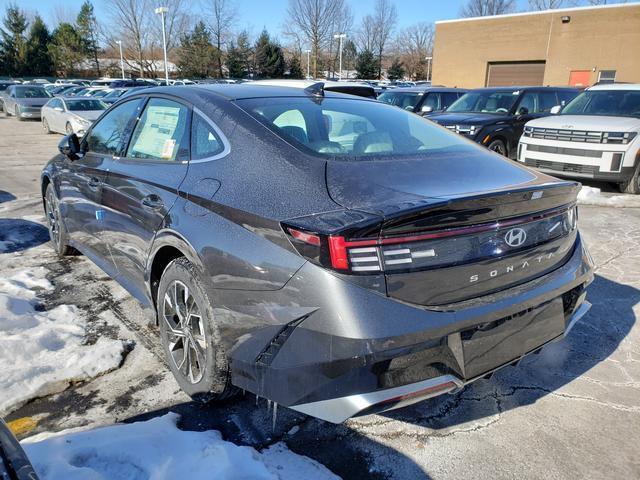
[
  {"x": 595, "y": 136},
  {"x": 71, "y": 115}
]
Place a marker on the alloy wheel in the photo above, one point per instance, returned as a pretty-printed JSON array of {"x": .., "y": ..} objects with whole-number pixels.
[
  {"x": 45, "y": 125},
  {"x": 185, "y": 331},
  {"x": 53, "y": 218},
  {"x": 69, "y": 129},
  {"x": 498, "y": 147}
]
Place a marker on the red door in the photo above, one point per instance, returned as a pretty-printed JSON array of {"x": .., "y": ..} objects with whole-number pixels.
[{"x": 580, "y": 78}]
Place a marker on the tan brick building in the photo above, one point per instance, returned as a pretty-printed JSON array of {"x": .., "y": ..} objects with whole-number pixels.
[{"x": 576, "y": 46}]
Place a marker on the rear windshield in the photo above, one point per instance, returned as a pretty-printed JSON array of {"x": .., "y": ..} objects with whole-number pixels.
[
  {"x": 85, "y": 105},
  {"x": 485, "y": 102},
  {"x": 341, "y": 127},
  {"x": 406, "y": 100},
  {"x": 618, "y": 103},
  {"x": 32, "y": 92}
]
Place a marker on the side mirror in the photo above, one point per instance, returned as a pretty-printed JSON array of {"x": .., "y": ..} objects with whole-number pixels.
[
  {"x": 523, "y": 111},
  {"x": 555, "y": 110},
  {"x": 426, "y": 109},
  {"x": 69, "y": 146}
]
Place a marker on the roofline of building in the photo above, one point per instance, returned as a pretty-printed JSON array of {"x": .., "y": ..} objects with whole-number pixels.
[{"x": 542, "y": 12}]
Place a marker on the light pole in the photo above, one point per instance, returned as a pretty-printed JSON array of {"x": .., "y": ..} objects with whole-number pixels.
[
  {"x": 308, "y": 63},
  {"x": 340, "y": 36},
  {"x": 162, "y": 11},
  {"x": 119, "y": 42},
  {"x": 429, "y": 59}
]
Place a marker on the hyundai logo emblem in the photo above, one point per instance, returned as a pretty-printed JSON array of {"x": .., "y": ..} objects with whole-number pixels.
[{"x": 515, "y": 237}]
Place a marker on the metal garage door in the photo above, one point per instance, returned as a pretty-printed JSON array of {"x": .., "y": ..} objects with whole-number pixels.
[{"x": 515, "y": 73}]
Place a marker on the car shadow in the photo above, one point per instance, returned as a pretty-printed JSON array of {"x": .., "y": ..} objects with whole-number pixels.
[
  {"x": 6, "y": 196},
  {"x": 341, "y": 448},
  {"x": 17, "y": 235}
]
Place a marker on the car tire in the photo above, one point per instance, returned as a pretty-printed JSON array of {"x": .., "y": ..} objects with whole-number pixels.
[
  {"x": 186, "y": 319},
  {"x": 498, "y": 146},
  {"x": 57, "y": 231},
  {"x": 68, "y": 128},
  {"x": 45, "y": 126},
  {"x": 633, "y": 184},
  {"x": 17, "y": 114}
]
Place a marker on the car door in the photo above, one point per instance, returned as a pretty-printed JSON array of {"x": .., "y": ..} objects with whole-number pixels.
[
  {"x": 142, "y": 186},
  {"x": 532, "y": 104},
  {"x": 9, "y": 101},
  {"x": 81, "y": 181},
  {"x": 52, "y": 113}
]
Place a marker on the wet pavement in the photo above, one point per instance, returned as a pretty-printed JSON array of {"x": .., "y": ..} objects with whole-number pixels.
[{"x": 572, "y": 411}]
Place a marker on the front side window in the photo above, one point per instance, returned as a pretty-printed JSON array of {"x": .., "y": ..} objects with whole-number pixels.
[
  {"x": 205, "y": 142},
  {"x": 617, "y": 103},
  {"x": 352, "y": 128},
  {"x": 109, "y": 134},
  {"x": 447, "y": 98},
  {"x": 162, "y": 133},
  {"x": 485, "y": 102}
]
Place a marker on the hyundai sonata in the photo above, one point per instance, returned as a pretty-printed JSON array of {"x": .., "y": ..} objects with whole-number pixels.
[{"x": 331, "y": 253}]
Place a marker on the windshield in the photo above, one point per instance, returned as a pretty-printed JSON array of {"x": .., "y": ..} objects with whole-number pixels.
[
  {"x": 616, "y": 103},
  {"x": 485, "y": 102},
  {"x": 114, "y": 93},
  {"x": 98, "y": 93},
  {"x": 406, "y": 100},
  {"x": 32, "y": 92},
  {"x": 340, "y": 127},
  {"x": 83, "y": 105}
]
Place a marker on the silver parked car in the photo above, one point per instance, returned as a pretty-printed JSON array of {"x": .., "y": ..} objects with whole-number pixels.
[
  {"x": 71, "y": 115},
  {"x": 24, "y": 101}
]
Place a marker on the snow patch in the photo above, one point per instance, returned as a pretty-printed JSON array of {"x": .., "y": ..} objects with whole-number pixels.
[
  {"x": 157, "y": 449},
  {"x": 594, "y": 196},
  {"x": 41, "y": 352}
]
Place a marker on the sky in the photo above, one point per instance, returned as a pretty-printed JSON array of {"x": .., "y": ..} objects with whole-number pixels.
[{"x": 256, "y": 14}]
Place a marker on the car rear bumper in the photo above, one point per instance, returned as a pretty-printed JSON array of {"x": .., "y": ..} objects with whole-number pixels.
[{"x": 352, "y": 351}]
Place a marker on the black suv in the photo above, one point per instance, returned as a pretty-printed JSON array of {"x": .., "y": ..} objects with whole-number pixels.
[
  {"x": 495, "y": 117},
  {"x": 422, "y": 100}
]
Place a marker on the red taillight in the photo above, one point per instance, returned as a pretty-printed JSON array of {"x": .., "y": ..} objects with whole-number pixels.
[
  {"x": 305, "y": 237},
  {"x": 338, "y": 253}
]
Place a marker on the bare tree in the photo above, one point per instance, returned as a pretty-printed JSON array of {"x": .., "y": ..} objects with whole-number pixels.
[
  {"x": 413, "y": 45},
  {"x": 545, "y": 4},
  {"x": 605, "y": 2},
  {"x": 385, "y": 19},
  {"x": 314, "y": 22},
  {"x": 483, "y": 8},
  {"x": 366, "y": 35},
  {"x": 343, "y": 23},
  {"x": 223, "y": 17}
]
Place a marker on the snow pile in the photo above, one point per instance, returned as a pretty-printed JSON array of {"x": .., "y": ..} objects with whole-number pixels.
[
  {"x": 594, "y": 196},
  {"x": 41, "y": 352},
  {"x": 157, "y": 449}
]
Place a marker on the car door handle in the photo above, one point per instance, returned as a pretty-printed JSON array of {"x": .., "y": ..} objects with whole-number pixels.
[
  {"x": 94, "y": 182},
  {"x": 152, "y": 201}
]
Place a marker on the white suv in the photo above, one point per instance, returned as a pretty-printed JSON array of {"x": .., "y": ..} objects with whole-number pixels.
[{"x": 597, "y": 136}]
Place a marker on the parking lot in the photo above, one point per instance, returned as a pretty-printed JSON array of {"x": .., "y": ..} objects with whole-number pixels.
[{"x": 573, "y": 411}]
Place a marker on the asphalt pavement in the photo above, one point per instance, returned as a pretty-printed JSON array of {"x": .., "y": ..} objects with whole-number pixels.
[{"x": 573, "y": 411}]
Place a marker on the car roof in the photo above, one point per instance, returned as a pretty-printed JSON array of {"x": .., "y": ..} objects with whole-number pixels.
[
  {"x": 516, "y": 88},
  {"x": 236, "y": 91},
  {"x": 616, "y": 86},
  {"x": 427, "y": 89}
]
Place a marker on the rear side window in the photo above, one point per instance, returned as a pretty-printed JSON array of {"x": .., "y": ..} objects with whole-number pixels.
[
  {"x": 109, "y": 134},
  {"x": 205, "y": 142},
  {"x": 162, "y": 134}
]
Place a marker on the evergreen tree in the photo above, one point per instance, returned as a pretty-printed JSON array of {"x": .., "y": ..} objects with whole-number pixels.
[
  {"x": 87, "y": 29},
  {"x": 66, "y": 49},
  {"x": 13, "y": 42},
  {"x": 396, "y": 70},
  {"x": 37, "y": 59},
  {"x": 239, "y": 57},
  {"x": 198, "y": 56},
  {"x": 269, "y": 58},
  {"x": 295, "y": 70},
  {"x": 366, "y": 65}
]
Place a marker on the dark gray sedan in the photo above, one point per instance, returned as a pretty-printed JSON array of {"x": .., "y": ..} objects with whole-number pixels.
[{"x": 331, "y": 253}]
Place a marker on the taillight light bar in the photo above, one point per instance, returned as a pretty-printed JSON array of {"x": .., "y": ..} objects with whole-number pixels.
[{"x": 373, "y": 255}]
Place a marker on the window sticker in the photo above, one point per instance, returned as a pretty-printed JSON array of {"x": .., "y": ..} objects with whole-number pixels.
[{"x": 156, "y": 138}]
